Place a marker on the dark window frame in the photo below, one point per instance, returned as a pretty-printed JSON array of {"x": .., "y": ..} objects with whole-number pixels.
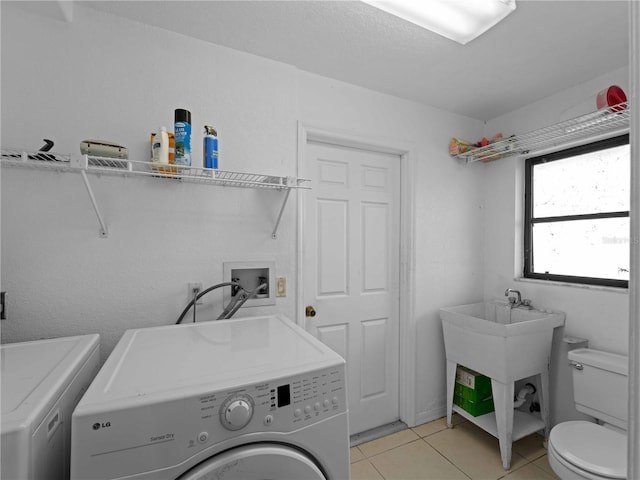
[{"x": 530, "y": 220}]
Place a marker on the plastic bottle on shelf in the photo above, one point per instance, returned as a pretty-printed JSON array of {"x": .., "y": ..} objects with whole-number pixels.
[
  {"x": 210, "y": 148},
  {"x": 160, "y": 150},
  {"x": 183, "y": 137}
]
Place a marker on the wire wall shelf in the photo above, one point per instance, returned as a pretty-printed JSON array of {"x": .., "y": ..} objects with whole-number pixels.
[
  {"x": 83, "y": 164},
  {"x": 605, "y": 122},
  {"x": 123, "y": 167}
]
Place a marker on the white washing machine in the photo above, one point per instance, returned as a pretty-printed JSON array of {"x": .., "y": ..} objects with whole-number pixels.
[
  {"x": 250, "y": 398},
  {"x": 41, "y": 383}
]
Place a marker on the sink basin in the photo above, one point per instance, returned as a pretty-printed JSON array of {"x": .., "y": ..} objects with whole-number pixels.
[
  {"x": 501, "y": 342},
  {"x": 505, "y": 344}
]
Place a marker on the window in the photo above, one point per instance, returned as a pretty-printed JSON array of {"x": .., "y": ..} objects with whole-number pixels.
[{"x": 577, "y": 214}]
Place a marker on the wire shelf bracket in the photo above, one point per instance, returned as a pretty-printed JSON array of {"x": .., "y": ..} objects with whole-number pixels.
[
  {"x": 274, "y": 234},
  {"x": 104, "y": 231}
]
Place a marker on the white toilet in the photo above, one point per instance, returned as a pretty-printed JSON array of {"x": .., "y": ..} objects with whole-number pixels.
[{"x": 587, "y": 450}]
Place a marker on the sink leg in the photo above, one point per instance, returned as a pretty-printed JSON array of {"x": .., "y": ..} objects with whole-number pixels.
[
  {"x": 503, "y": 403},
  {"x": 451, "y": 381},
  {"x": 543, "y": 395}
]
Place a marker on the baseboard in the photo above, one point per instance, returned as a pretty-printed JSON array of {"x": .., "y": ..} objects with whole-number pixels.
[
  {"x": 377, "y": 432},
  {"x": 430, "y": 415}
]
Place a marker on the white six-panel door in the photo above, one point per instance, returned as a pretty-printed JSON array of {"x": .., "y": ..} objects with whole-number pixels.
[{"x": 351, "y": 257}]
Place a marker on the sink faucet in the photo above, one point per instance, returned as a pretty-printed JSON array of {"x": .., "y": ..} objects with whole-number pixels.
[{"x": 514, "y": 301}]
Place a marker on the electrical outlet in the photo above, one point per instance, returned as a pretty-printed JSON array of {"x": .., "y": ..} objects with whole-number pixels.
[
  {"x": 197, "y": 286},
  {"x": 281, "y": 287}
]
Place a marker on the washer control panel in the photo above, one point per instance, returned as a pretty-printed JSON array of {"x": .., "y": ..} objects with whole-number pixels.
[{"x": 280, "y": 405}]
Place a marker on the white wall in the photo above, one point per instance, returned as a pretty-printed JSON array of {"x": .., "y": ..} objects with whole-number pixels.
[
  {"x": 100, "y": 77},
  {"x": 104, "y": 77},
  {"x": 597, "y": 314}
]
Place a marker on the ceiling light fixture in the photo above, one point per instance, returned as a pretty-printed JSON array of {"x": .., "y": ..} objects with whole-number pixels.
[{"x": 459, "y": 20}]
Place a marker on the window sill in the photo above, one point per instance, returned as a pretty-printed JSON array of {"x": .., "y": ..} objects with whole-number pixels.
[{"x": 601, "y": 288}]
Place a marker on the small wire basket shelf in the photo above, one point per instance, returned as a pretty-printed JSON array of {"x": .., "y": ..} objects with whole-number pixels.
[{"x": 611, "y": 120}]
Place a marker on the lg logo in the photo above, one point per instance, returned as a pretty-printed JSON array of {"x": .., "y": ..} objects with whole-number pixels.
[{"x": 98, "y": 425}]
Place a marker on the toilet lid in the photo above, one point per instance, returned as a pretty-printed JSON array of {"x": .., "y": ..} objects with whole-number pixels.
[{"x": 591, "y": 447}]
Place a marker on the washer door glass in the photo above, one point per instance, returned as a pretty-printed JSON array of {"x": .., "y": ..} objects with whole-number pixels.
[{"x": 259, "y": 461}]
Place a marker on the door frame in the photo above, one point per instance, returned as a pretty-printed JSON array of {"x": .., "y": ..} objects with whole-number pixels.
[{"x": 408, "y": 325}]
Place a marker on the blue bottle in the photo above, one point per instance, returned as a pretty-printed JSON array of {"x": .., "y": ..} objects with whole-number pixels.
[
  {"x": 182, "y": 131},
  {"x": 210, "y": 147}
]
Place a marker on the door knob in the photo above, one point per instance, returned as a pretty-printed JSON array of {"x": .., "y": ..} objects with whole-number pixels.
[{"x": 310, "y": 311}]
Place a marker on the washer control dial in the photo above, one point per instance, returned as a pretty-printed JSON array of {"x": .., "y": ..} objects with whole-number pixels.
[{"x": 236, "y": 412}]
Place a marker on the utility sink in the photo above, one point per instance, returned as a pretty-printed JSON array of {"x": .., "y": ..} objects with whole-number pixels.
[
  {"x": 499, "y": 341},
  {"x": 506, "y": 343}
]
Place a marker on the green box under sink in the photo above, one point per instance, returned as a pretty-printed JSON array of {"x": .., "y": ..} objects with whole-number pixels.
[{"x": 472, "y": 392}]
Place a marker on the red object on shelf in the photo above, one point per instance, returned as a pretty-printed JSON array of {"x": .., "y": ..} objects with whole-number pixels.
[{"x": 610, "y": 97}]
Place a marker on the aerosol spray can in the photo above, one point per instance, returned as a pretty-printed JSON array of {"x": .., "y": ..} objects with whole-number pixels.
[
  {"x": 210, "y": 148},
  {"x": 183, "y": 137}
]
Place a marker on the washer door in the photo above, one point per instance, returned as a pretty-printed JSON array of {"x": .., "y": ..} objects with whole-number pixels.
[{"x": 258, "y": 461}]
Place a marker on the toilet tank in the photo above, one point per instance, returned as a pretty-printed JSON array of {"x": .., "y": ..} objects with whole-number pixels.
[{"x": 600, "y": 385}]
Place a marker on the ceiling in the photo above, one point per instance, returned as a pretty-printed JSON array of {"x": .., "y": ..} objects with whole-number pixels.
[{"x": 542, "y": 48}]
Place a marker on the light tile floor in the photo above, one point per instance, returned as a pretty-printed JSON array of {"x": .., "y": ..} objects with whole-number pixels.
[{"x": 434, "y": 452}]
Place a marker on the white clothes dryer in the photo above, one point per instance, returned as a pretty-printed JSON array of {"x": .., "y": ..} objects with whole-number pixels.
[
  {"x": 41, "y": 383},
  {"x": 238, "y": 399}
]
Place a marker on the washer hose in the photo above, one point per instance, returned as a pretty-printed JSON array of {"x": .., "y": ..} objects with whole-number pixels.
[
  {"x": 239, "y": 300},
  {"x": 234, "y": 305},
  {"x": 202, "y": 293}
]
